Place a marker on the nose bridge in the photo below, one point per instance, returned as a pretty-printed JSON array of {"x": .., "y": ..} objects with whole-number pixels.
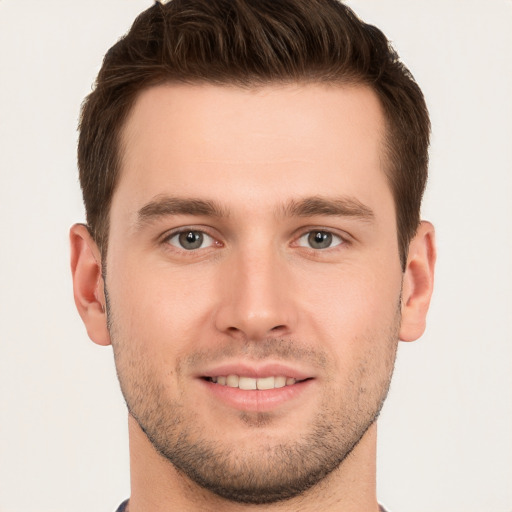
[{"x": 255, "y": 300}]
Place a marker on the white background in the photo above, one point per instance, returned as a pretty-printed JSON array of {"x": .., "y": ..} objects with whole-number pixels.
[{"x": 446, "y": 430}]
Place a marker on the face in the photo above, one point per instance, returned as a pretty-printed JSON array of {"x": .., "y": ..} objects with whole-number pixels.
[{"x": 253, "y": 281}]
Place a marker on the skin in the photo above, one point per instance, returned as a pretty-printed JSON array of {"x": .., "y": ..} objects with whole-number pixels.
[{"x": 256, "y": 293}]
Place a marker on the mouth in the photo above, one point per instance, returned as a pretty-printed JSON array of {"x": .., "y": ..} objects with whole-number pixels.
[
  {"x": 249, "y": 388},
  {"x": 250, "y": 383}
]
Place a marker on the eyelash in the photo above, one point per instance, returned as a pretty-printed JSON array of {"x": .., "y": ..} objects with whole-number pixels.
[{"x": 336, "y": 238}]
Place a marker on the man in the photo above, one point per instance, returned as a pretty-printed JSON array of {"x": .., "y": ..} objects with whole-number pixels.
[{"x": 252, "y": 172}]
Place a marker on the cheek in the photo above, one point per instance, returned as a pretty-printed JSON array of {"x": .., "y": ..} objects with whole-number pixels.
[
  {"x": 355, "y": 313},
  {"x": 159, "y": 306},
  {"x": 353, "y": 297}
]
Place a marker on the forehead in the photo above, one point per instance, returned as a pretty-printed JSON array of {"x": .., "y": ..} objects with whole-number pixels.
[{"x": 266, "y": 142}]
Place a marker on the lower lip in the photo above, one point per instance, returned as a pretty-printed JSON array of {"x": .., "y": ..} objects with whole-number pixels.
[{"x": 257, "y": 400}]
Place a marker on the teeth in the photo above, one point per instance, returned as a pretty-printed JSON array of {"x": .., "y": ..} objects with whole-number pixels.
[
  {"x": 279, "y": 382},
  {"x": 247, "y": 383},
  {"x": 266, "y": 383},
  {"x": 232, "y": 381},
  {"x": 250, "y": 383}
]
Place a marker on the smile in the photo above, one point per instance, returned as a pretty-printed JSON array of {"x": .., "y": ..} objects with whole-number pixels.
[
  {"x": 251, "y": 383},
  {"x": 252, "y": 387}
]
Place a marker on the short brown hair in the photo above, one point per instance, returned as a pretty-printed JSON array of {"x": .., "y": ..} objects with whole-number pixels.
[{"x": 250, "y": 43}]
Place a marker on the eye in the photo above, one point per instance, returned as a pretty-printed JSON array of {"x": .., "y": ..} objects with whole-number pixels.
[
  {"x": 319, "y": 240},
  {"x": 190, "y": 240}
]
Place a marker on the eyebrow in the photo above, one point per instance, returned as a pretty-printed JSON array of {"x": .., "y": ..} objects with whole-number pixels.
[
  {"x": 306, "y": 207},
  {"x": 336, "y": 207},
  {"x": 167, "y": 205}
]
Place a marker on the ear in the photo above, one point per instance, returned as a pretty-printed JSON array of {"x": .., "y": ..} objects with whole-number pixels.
[
  {"x": 418, "y": 282},
  {"x": 88, "y": 284}
]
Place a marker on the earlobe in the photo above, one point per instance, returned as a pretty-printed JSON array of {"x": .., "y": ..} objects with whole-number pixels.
[
  {"x": 88, "y": 288},
  {"x": 418, "y": 282}
]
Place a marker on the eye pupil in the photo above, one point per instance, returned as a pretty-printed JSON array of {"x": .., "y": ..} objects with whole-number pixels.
[
  {"x": 191, "y": 240},
  {"x": 320, "y": 239}
]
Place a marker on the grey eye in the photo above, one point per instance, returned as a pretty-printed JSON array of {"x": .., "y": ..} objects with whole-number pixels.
[
  {"x": 319, "y": 240},
  {"x": 191, "y": 240}
]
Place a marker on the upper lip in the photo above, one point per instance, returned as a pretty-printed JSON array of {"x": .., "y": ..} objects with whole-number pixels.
[{"x": 256, "y": 370}]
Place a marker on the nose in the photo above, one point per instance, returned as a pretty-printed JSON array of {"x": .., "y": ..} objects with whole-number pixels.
[{"x": 256, "y": 298}]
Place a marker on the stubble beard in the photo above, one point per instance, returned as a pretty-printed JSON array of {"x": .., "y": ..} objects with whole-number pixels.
[{"x": 274, "y": 469}]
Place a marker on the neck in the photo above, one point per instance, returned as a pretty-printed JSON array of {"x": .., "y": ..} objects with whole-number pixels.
[{"x": 157, "y": 486}]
